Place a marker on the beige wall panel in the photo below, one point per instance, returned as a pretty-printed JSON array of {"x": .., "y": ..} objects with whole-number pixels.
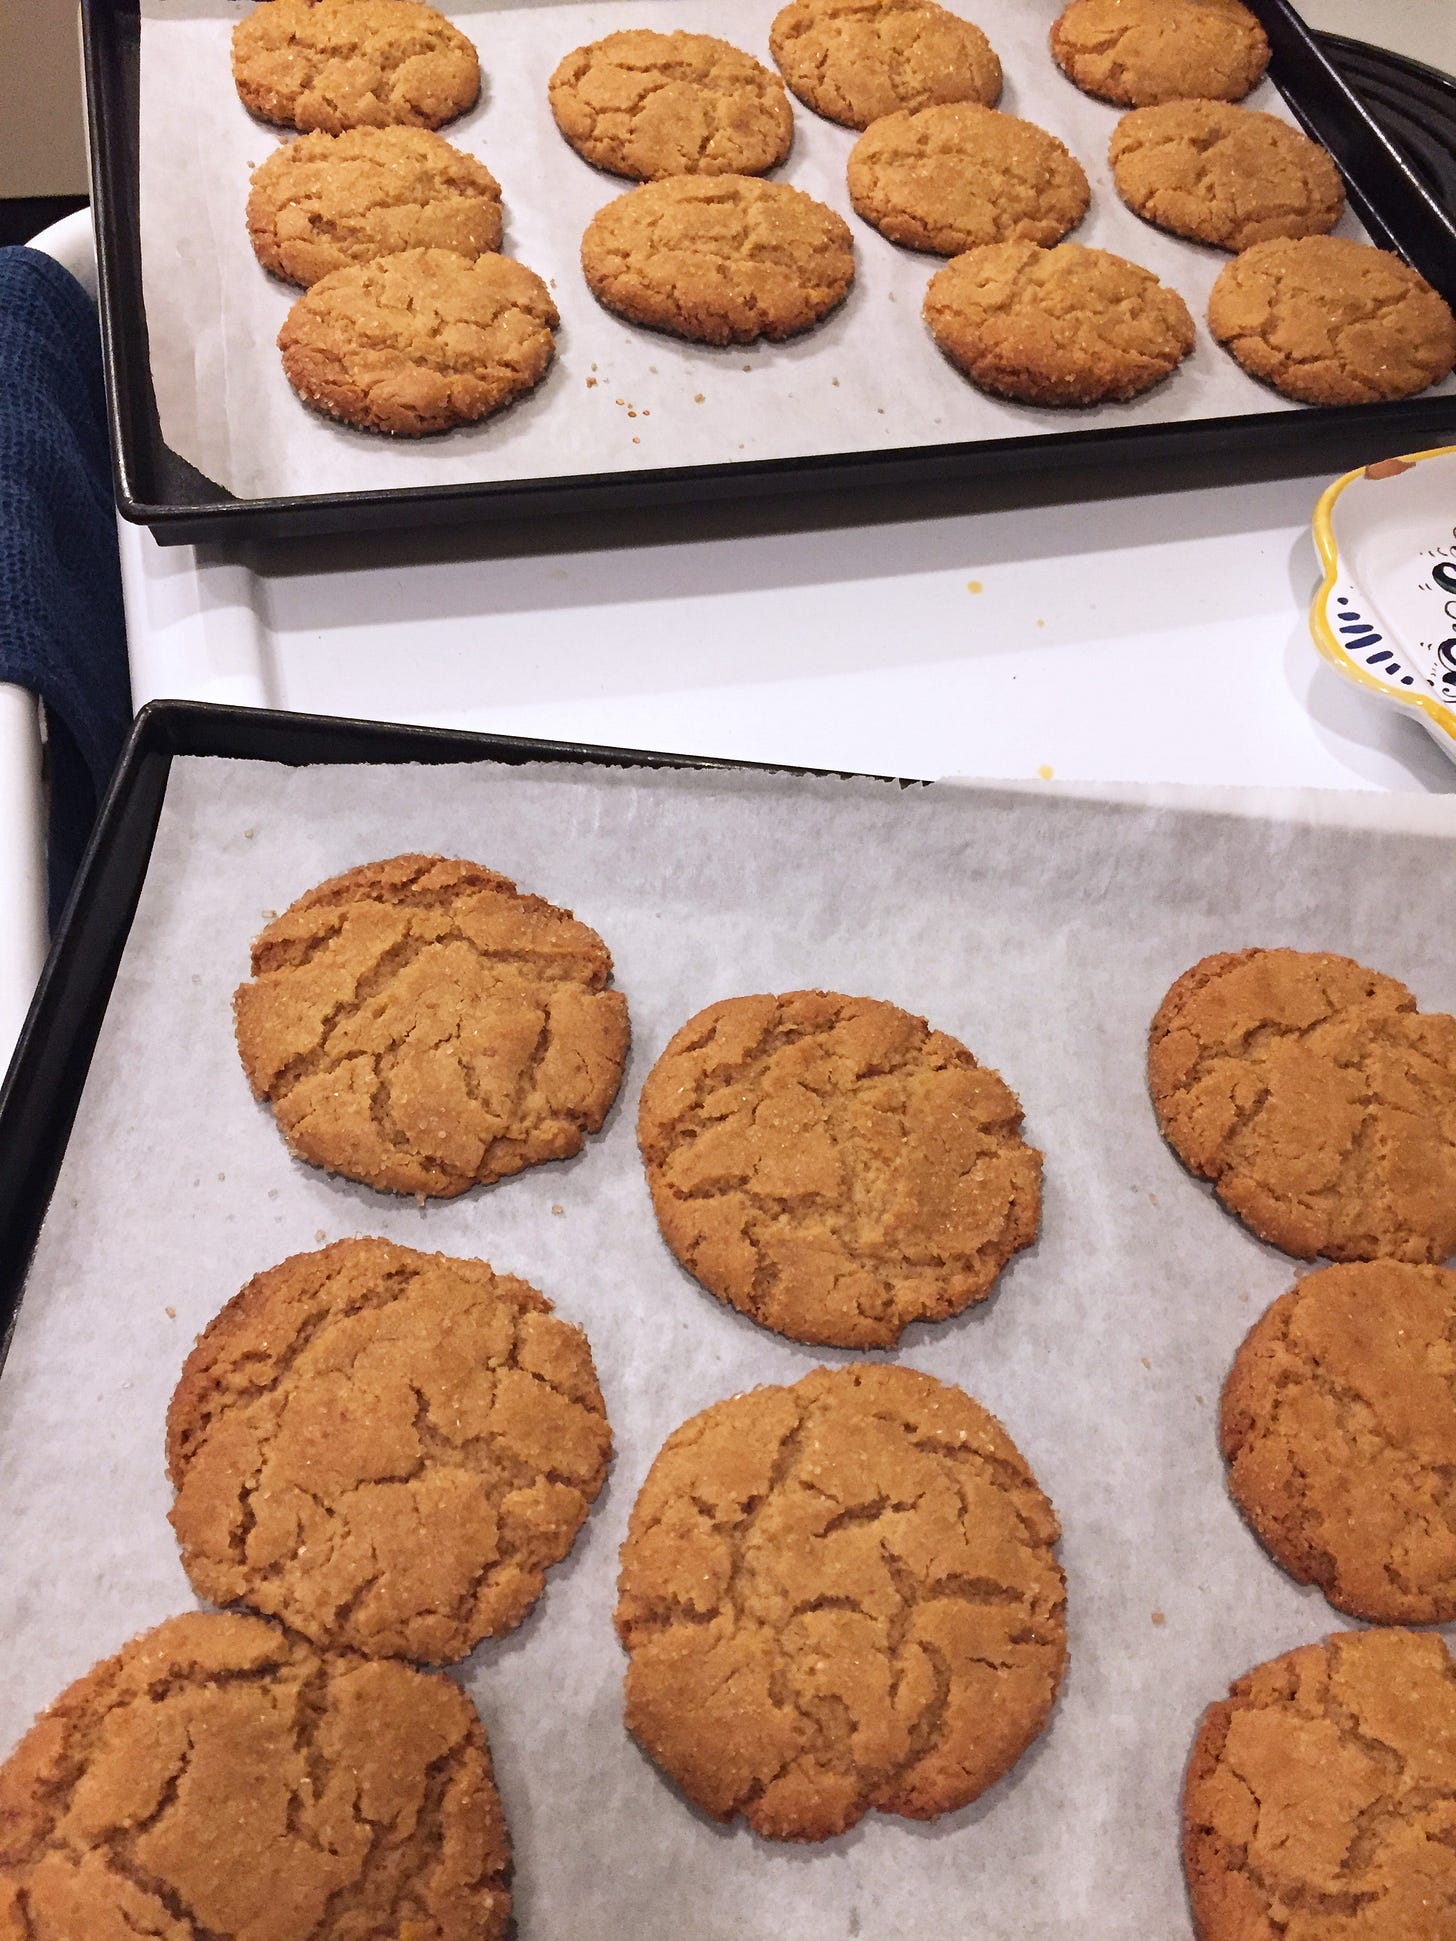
[{"x": 42, "y": 143}]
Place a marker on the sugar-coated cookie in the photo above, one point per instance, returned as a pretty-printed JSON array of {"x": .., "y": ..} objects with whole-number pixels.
[
  {"x": 724, "y": 259},
  {"x": 424, "y": 1026},
  {"x": 646, "y": 104},
  {"x": 1330, "y": 321},
  {"x": 326, "y": 201},
  {"x": 855, "y": 60},
  {"x": 1063, "y": 326},
  {"x": 1136, "y": 52},
  {"x": 1316, "y": 1097},
  {"x": 840, "y": 1596},
  {"x": 336, "y": 64},
  {"x": 384, "y": 1448},
  {"x": 219, "y": 1777},
  {"x": 833, "y": 1167}
]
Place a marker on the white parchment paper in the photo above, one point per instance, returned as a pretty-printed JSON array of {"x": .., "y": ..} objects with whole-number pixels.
[
  {"x": 1042, "y": 932},
  {"x": 869, "y": 379}
]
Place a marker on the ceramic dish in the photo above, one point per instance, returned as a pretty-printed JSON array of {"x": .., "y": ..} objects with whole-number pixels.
[{"x": 1385, "y": 615}]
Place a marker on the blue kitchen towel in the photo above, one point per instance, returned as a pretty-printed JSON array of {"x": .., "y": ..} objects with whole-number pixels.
[{"x": 61, "y": 628}]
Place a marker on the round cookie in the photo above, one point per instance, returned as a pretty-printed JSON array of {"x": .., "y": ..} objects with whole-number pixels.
[
  {"x": 834, "y": 1168},
  {"x": 855, "y": 60},
  {"x": 1317, "y": 1098},
  {"x": 645, "y": 104},
  {"x": 385, "y": 1449},
  {"x": 424, "y": 1026},
  {"x": 1137, "y": 52},
  {"x": 1329, "y": 321},
  {"x": 1339, "y": 1428},
  {"x": 325, "y": 201},
  {"x": 1224, "y": 175},
  {"x": 1057, "y": 326},
  {"x": 723, "y": 259},
  {"x": 337, "y": 64},
  {"x": 838, "y": 1596},
  {"x": 1320, "y": 1796},
  {"x": 953, "y": 177},
  {"x": 420, "y": 341},
  {"x": 218, "y": 1777}
]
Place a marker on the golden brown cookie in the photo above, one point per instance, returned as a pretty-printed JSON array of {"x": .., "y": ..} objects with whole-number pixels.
[
  {"x": 336, "y": 64},
  {"x": 325, "y": 201},
  {"x": 855, "y": 60},
  {"x": 1320, "y": 1798},
  {"x": 1328, "y": 321},
  {"x": 423, "y": 1025},
  {"x": 838, "y": 1596},
  {"x": 724, "y": 259},
  {"x": 647, "y": 104},
  {"x": 385, "y": 1449},
  {"x": 1137, "y": 52},
  {"x": 1317, "y": 1098},
  {"x": 834, "y": 1168},
  {"x": 421, "y": 341},
  {"x": 1057, "y": 326},
  {"x": 220, "y": 1779},
  {"x": 1339, "y": 1428},
  {"x": 1224, "y": 175},
  {"x": 952, "y": 177}
]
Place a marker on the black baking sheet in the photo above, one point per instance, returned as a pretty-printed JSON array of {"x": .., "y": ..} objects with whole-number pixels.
[{"x": 1392, "y": 195}]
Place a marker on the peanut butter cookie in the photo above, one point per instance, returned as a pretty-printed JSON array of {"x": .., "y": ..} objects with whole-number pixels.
[
  {"x": 1320, "y": 1797},
  {"x": 1224, "y": 175},
  {"x": 219, "y": 1780},
  {"x": 1329, "y": 321},
  {"x": 1137, "y": 52},
  {"x": 1057, "y": 326},
  {"x": 421, "y": 341},
  {"x": 424, "y": 1026},
  {"x": 834, "y": 1168},
  {"x": 1317, "y": 1098},
  {"x": 1339, "y": 1428},
  {"x": 724, "y": 259},
  {"x": 647, "y": 104},
  {"x": 838, "y": 1596},
  {"x": 326, "y": 201},
  {"x": 855, "y": 60},
  {"x": 386, "y": 1449},
  {"x": 952, "y": 177},
  {"x": 336, "y": 64}
]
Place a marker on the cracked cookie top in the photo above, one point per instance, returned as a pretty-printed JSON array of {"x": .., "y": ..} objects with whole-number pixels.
[
  {"x": 1317, "y": 1098},
  {"x": 838, "y": 1596},
  {"x": 386, "y": 1449},
  {"x": 834, "y": 1168},
  {"x": 949, "y": 178},
  {"x": 219, "y": 1778},
  {"x": 723, "y": 259},
  {"x": 1339, "y": 1428},
  {"x": 855, "y": 60},
  {"x": 336, "y": 64},
  {"x": 423, "y": 1025},
  {"x": 647, "y": 104},
  {"x": 420, "y": 341},
  {"x": 1067, "y": 325},
  {"x": 1224, "y": 175},
  {"x": 1330, "y": 321},
  {"x": 1137, "y": 52},
  {"x": 325, "y": 201},
  {"x": 1320, "y": 1798}
]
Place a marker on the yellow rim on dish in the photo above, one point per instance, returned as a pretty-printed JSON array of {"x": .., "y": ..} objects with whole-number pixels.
[{"x": 1334, "y": 650}]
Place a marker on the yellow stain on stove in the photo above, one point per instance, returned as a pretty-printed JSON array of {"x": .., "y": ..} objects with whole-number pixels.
[
  {"x": 1046, "y": 771},
  {"x": 974, "y": 586}
]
